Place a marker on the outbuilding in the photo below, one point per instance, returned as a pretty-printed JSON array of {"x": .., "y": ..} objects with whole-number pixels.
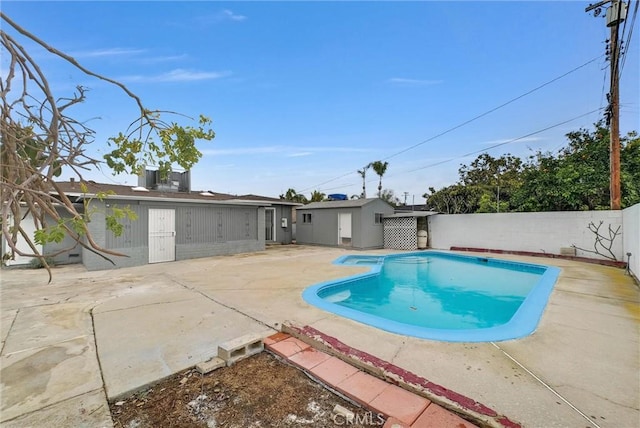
[
  {"x": 171, "y": 223},
  {"x": 356, "y": 223}
]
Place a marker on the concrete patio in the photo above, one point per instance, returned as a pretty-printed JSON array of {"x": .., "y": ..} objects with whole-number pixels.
[{"x": 87, "y": 337}]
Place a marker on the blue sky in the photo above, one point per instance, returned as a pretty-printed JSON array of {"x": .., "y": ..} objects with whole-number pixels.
[{"x": 301, "y": 93}]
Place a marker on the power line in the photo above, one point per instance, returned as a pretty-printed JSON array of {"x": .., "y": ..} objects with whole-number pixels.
[
  {"x": 628, "y": 41},
  {"x": 493, "y": 109},
  {"x": 495, "y": 145},
  {"x": 327, "y": 182},
  {"x": 500, "y": 144},
  {"x": 466, "y": 122}
]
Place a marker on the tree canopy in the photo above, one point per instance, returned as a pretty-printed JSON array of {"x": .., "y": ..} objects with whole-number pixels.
[
  {"x": 41, "y": 139},
  {"x": 293, "y": 196},
  {"x": 573, "y": 179},
  {"x": 380, "y": 168}
]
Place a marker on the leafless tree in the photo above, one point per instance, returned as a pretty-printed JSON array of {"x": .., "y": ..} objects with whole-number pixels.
[
  {"x": 40, "y": 139},
  {"x": 602, "y": 243}
]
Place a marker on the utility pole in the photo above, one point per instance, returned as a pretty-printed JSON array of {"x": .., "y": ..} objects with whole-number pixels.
[{"x": 615, "y": 15}]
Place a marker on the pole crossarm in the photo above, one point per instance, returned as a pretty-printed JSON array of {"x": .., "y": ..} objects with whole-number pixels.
[{"x": 596, "y": 5}]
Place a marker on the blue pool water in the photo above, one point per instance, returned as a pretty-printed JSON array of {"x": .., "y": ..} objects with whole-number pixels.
[{"x": 440, "y": 296}]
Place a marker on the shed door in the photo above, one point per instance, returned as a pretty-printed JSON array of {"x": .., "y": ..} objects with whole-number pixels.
[
  {"x": 162, "y": 235},
  {"x": 344, "y": 229}
]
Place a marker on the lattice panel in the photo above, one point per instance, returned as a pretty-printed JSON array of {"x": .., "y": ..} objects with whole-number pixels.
[{"x": 401, "y": 233}]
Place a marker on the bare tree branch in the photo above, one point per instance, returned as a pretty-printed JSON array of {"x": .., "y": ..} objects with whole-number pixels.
[
  {"x": 602, "y": 244},
  {"x": 39, "y": 140}
]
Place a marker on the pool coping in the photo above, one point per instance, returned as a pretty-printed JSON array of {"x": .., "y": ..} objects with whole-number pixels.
[{"x": 523, "y": 323}]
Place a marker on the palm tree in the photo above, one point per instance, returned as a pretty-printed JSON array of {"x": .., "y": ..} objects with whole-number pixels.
[
  {"x": 363, "y": 174},
  {"x": 294, "y": 196},
  {"x": 317, "y": 196},
  {"x": 380, "y": 168}
]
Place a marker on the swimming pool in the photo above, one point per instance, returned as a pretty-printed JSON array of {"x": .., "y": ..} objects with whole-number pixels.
[{"x": 440, "y": 296}]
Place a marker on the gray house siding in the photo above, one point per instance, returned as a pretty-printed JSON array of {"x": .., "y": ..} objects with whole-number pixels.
[
  {"x": 201, "y": 231},
  {"x": 372, "y": 233},
  {"x": 133, "y": 243},
  {"x": 324, "y": 228},
  {"x": 283, "y": 235},
  {"x": 215, "y": 231},
  {"x": 67, "y": 257}
]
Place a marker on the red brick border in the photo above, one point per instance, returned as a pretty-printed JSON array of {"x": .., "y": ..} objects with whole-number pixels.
[
  {"x": 447, "y": 398},
  {"x": 611, "y": 263}
]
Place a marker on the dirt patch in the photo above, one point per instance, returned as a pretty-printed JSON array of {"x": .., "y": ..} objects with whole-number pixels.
[{"x": 260, "y": 391}]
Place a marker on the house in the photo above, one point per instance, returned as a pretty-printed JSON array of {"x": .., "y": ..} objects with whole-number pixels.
[
  {"x": 356, "y": 223},
  {"x": 279, "y": 213},
  {"x": 172, "y": 223}
]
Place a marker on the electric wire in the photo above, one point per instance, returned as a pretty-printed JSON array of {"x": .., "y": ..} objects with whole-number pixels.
[
  {"x": 493, "y": 109},
  {"x": 500, "y": 144},
  {"x": 504, "y": 143},
  {"x": 629, "y": 34},
  {"x": 624, "y": 29},
  {"x": 604, "y": 84},
  {"x": 465, "y": 122}
]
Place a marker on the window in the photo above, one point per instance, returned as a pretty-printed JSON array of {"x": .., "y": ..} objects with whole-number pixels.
[
  {"x": 306, "y": 218},
  {"x": 378, "y": 218}
]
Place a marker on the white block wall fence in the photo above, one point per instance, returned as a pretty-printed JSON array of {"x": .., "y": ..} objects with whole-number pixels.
[
  {"x": 539, "y": 232},
  {"x": 631, "y": 238}
]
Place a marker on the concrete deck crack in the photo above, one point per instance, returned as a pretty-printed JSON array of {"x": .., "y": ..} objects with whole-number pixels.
[
  {"x": 47, "y": 346},
  {"x": 95, "y": 342},
  {"x": 56, "y": 403},
  {"x": 582, "y": 293},
  {"x": 395, "y": 355},
  {"x": 33, "y": 306},
  {"x": 613, "y": 402},
  {"x": 139, "y": 306},
  {"x": 13, "y": 321},
  {"x": 220, "y": 303},
  {"x": 255, "y": 288},
  {"x": 543, "y": 383},
  {"x": 585, "y": 329}
]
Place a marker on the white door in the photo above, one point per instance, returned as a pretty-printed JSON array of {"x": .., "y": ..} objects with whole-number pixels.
[
  {"x": 162, "y": 235},
  {"x": 344, "y": 229}
]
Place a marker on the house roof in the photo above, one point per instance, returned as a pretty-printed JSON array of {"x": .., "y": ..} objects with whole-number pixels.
[
  {"x": 352, "y": 203},
  {"x": 412, "y": 214},
  {"x": 73, "y": 188},
  {"x": 251, "y": 197}
]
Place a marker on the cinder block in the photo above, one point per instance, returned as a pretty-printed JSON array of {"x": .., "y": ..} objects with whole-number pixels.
[
  {"x": 240, "y": 348},
  {"x": 568, "y": 251},
  {"x": 347, "y": 414},
  {"x": 210, "y": 365}
]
